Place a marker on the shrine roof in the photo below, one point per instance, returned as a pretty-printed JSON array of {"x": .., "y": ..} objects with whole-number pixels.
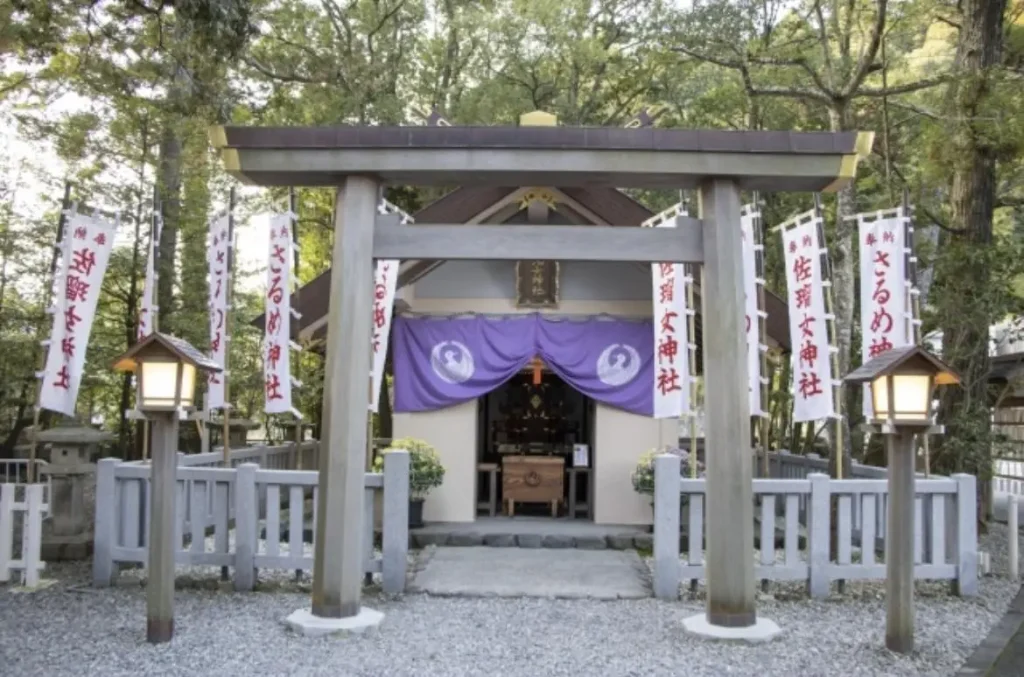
[
  {"x": 527, "y": 155},
  {"x": 462, "y": 204}
]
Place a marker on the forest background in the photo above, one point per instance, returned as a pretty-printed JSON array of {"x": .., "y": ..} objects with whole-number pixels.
[{"x": 113, "y": 99}]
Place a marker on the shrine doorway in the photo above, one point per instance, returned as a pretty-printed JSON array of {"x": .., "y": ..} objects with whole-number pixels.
[{"x": 528, "y": 450}]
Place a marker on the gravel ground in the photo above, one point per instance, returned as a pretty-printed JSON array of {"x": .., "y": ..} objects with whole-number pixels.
[{"x": 70, "y": 629}]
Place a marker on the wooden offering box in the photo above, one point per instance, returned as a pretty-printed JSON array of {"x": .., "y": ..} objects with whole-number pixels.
[{"x": 532, "y": 479}]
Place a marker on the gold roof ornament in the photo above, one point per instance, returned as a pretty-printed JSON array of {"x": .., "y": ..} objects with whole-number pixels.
[
  {"x": 538, "y": 118},
  {"x": 849, "y": 162},
  {"x": 545, "y": 195}
]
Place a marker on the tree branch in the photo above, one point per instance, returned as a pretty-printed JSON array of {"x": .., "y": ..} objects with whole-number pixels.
[
  {"x": 905, "y": 88},
  {"x": 924, "y": 210},
  {"x": 793, "y": 93},
  {"x": 800, "y": 63},
  {"x": 1007, "y": 201},
  {"x": 867, "y": 59},
  {"x": 915, "y": 109},
  {"x": 823, "y": 35},
  {"x": 718, "y": 61},
  {"x": 282, "y": 77}
]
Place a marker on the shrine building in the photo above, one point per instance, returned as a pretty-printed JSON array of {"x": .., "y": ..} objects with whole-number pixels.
[{"x": 490, "y": 362}]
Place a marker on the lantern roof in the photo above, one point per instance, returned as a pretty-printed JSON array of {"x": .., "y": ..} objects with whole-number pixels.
[
  {"x": 910, "y": 356},
  {"x": 74, "y": 432},
  {"x": 165, "y": 345}
]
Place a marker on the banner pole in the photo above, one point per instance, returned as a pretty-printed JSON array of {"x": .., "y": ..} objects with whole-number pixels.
[
  {"x": 757, "y": 233},
  {"x": 913, "y": 303},
  {"x": 154, "y": 320},
  {"x": 226, "y": 409},
  {"x": 691, "y": 353},
  {"x": 293, "y": 208},
  {"x": 691, "y": 325},
  {"x": 826, "y": 275}
]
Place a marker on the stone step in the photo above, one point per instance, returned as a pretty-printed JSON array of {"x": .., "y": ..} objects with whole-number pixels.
[{"x": 625, "y": 541}]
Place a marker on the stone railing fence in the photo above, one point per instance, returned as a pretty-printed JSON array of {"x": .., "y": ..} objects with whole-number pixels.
[
  {"x": 246, "y": 517},
  {"x": 22, "y": 510},
  {"x": 794, "y": 532}
]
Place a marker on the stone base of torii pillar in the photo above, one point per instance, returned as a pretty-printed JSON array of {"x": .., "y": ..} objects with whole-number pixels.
[
  {"x": 763, "y": 630},
  {"x": 306, "y": 624}
]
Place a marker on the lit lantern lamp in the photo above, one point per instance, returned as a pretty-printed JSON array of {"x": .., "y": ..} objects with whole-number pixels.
[
  {"x": 167, "y": 369},
  {"x": 902, "y": 381},
  {"x": 902, "y": 384}
]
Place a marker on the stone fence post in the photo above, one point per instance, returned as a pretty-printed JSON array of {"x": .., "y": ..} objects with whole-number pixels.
[
  {"x": 666, "y": 526},
  {"x": 818, "y": 527},
  {"x": 395, "y": 528},
  {"x": 966, "y": 583},
  {"x": 104, "y": 533},
  {"x": 246, "y": 518}
]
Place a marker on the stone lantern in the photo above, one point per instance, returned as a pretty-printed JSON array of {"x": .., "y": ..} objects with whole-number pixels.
[
  {"x": 238, "y": 430},
  {"x": 71, "y": 474}
]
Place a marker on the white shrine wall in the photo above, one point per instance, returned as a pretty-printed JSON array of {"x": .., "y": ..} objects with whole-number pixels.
[
  {"x": 620, "y": 437},
  {"x": 453, "y": 432}
]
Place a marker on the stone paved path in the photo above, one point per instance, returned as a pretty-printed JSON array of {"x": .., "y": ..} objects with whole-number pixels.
[
  {"x": 528, "y": 572},
  {"x": 1001, "y": 654}
]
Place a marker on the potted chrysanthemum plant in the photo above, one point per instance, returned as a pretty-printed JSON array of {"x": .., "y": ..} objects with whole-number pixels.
[
  {"x": 425, "y": 472},
  {"x": 643, "y": 474}
]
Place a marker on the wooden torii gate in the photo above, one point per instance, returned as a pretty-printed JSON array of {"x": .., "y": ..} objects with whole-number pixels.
[{"x": 719, "y": 164}]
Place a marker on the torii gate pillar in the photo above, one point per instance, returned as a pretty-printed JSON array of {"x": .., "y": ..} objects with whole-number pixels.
[
  {"x": 731, "y": 610},
  {"x": 338, "y": 553}
]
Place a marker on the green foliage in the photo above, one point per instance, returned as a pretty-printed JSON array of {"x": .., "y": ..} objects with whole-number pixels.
[
  {"x": 425, "y": 469},
  {"x": 643, "y": 474},
  {"x": 122, "y": 93},
  {"x": 975, "y": 286}
]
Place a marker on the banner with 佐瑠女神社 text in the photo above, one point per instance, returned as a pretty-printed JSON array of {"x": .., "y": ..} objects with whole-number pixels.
[
  {"x": 808, "y": 324},
  {"x": 85, "y": 251}
]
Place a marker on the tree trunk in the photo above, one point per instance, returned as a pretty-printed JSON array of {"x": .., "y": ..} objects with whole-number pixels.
[
  {"x": 177, "y": 104},
  {"x": 169, "y": 181},
  {"x": 131, "y": 311},
  {"x": 927, "y": 234},
  {"x": 966, "y": 318}
]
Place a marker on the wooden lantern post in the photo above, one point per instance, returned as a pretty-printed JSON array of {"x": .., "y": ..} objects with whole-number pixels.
[
  {"x": 160, "y": 405},
  {"x": 902, "y": 411}
]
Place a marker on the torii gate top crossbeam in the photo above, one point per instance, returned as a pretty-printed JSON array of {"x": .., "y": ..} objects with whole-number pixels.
[{"x": 520, "y": 156}]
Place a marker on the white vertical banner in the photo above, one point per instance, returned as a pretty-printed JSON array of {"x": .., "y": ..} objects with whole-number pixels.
[
  {"x": 808, "y": 329},
  {"x": 217, "y": 257},
  {"x": 385, "y": 279},
  {"x": 148, "y": 307},
  {"x": 885, "y": 314},
  {"x": 277, "y": 343},
  {"x": 749, "y": 217},
  {"x": 385, "y": 286},
  {"x": 671, "y": 341},
  {"x": 85, "y": 253}
]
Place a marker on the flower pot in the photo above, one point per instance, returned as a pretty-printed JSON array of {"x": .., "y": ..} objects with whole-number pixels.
[{"x": 415, "y": 513}]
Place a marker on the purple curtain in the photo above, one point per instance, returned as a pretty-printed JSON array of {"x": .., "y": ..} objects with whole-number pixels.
[
  {"x": 443, "y": 362},
  {"x": 610, "y": 361}
]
